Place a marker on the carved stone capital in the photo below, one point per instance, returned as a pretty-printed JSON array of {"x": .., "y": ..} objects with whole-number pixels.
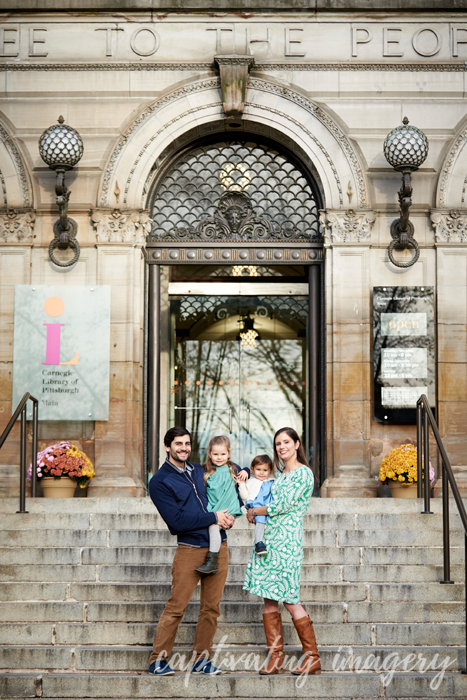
[
  {"x": 17, "y": 225},
  {"x": 450, "y": 226},
  {"x": 130, "y": 226},
  {"x": 234, "y": 75},
  {"x": 349, "y": 227}
]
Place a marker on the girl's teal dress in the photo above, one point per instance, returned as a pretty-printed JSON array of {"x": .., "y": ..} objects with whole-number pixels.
[
  {"x": 222, "y": 492},
  {"x": 276, "y": 575}
]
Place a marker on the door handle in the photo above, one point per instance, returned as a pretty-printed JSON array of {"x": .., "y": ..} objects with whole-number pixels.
[
  {"x": 230, "y": 420},
  {"x": 248, "y": 420}
]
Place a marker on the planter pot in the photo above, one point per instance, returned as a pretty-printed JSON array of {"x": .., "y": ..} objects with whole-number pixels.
[
  {"x": 58, "y": 488},
  {"x": 400, "y": 490}
]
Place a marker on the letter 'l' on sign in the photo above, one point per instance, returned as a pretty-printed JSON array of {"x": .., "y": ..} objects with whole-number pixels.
[{"x": 54, "y": 306}]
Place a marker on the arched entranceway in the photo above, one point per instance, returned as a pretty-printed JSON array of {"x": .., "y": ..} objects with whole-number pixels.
[{"x": 235, "y": 216}]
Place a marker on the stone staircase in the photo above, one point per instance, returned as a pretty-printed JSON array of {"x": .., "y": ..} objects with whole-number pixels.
[{"x": 83, "y": 582}]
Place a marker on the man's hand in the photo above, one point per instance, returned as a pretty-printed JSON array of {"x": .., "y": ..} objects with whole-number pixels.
[
  {"x": 250, "y": 516},
  {"x": 242, "y": 476},
  {"x": 224, "y": 519}
]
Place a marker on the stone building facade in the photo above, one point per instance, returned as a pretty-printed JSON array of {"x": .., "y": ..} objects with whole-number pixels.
[{"x": 155, "y": 91}]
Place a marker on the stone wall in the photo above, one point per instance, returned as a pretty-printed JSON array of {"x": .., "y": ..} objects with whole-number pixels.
[{"x": 329, "y": 88}]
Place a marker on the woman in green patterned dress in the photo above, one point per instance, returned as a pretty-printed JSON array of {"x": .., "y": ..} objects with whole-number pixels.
[{"x": 276, "y": 576}]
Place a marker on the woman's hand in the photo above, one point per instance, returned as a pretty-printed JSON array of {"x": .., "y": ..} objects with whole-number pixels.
[
  {"x": 250, "y": 516},
  {"x": 241, "y": 476}
]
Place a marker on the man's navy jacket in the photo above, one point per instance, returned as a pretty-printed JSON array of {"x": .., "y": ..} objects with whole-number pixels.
[{"x": 183, "y": 504}]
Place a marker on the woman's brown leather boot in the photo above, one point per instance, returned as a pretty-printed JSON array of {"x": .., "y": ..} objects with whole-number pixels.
[
  {"x": 275, "y": 642},
  {"x": 310, "y": 662}
]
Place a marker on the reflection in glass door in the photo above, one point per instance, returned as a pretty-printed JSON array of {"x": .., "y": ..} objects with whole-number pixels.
[{"x": 238, "y": 369}]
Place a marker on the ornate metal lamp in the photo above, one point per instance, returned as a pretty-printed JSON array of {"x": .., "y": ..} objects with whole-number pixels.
[
  {"x": 405, "y": 148},
  {"x": 61, "y": 147},
  {"x": 248, "y": 335}
]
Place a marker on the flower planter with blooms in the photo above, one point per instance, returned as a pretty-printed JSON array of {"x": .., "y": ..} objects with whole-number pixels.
[
  {"x": 399, "y": 470},
  {"x": 63, "y": 462}
]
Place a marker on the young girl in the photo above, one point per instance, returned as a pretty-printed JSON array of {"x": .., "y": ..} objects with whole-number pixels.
[
  {"x": 257, "y": 492},
  {"x": 221, "y": 476}
]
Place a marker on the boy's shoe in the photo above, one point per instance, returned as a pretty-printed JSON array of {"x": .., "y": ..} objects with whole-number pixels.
[
  {"x": 205, "y": 666},
  {"x": 161, "y": 668},
  {"x": 260, "y": 548},
  {"x": 210, "y": 564}
]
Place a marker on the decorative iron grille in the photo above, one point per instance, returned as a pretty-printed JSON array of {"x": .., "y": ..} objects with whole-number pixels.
[
  {"x": 211, "y": 308},
  {"x": 235, "y": 190}
]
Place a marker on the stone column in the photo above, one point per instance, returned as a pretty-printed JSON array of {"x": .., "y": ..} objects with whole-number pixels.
[
  {"x": 120, "y": 236},
  {"x": 347, "y": 240},
  {"x": 16, "y": 239},
  {"x": 451, "y": 256}
]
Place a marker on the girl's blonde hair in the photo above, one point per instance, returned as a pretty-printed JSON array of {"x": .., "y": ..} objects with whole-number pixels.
[{"x": 209, "y": 467}]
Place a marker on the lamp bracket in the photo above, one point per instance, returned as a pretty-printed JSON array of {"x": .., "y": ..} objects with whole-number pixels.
[
  {"x": 63, "y": 240},
  {"x": 65, "y": 229},
  {"x": 402, "y": 229}
]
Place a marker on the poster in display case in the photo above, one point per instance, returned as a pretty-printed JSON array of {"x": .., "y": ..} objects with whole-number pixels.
[{"x": 403, "y": 351}]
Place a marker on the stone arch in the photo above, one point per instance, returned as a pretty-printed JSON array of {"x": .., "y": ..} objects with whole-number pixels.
[
  {"x": 451, "y": 192},
  {"x": 15, "y": 184},
  {"x": 198, "y": 104}
]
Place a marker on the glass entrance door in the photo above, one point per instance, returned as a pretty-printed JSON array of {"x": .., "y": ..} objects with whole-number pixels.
[{"x": 238, "y": 369}]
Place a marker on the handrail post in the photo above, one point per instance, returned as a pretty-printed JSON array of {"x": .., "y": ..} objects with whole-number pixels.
[
  {"x": 426, "y": 464},
  {"x": 465, "y": 590},
  {"x": 22, "y": 467},
  {"x": 446, "y": 552},
  {"x": 419, "y": 449},
  {"x": 35, "y": 420}
]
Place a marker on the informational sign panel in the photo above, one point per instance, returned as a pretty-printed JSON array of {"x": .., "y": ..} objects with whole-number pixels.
[
  {"x": 61, "y": 350},
  {"x": 403, "y": 351}
]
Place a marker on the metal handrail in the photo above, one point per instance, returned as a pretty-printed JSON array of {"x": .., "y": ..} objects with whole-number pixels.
[
  {"x": 21, "y": 409},
  {"x": 424, "y": 419}
]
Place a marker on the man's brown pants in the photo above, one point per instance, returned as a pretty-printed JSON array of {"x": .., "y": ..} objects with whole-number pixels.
[{"x": 184, "y": 582}]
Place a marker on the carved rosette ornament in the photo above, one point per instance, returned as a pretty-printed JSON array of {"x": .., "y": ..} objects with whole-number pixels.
[
  {"x": 450, "y": 226},
  {"x": 17, "y": 226},
  {"x": 131, "y": 227},
  {"x": 347, "y": 227}
]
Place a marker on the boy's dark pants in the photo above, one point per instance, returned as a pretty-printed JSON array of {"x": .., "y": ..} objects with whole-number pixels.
[{"x": 184, "y": 582}]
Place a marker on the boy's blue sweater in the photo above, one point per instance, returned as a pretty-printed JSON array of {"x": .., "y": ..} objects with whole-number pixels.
[{"x": 183, "y": 504}]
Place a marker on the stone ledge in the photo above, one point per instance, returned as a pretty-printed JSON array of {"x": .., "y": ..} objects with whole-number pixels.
[{"x": 233, "y": 5}]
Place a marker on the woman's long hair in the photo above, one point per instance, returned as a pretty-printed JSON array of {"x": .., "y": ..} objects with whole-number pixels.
[
  {"x": 301, "y": 457},
  {"x": 209, "y": 467}
]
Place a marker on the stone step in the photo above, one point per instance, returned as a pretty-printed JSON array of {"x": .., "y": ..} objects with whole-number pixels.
[
  {"x": 242, "y": 685},
  {"x": 239, "y": 658},
  {"x": 238, "y": 555},
  {"x": 363, "y": 573},
  {"x": 162, "y": 574},
  {"x": 314, "y": 592},
  {"x": 370, "y": 612},
  {"x": 152, "y": 521},
  {"x": 79, "y": 633},
  {"x": 126, "y": 506}
]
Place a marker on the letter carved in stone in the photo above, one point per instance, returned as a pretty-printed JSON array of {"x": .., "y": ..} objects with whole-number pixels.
[
  {"x": 17, "y": 226},
  {"x": 449, "y": 226},
  {"x": 347, "y": 227},
  {"x": 117, "y": 226}
]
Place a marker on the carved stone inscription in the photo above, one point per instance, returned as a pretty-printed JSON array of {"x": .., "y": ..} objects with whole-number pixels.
[{"x": 167, "y": 40}]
